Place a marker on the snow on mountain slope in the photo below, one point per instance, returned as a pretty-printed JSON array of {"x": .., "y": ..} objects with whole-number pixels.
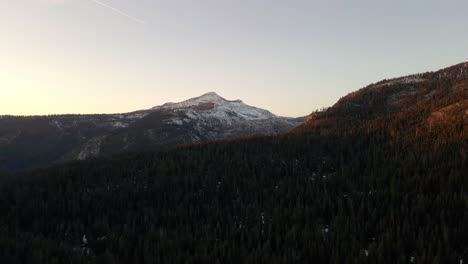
[
  {"x": 211, "y": 117},
  {"x": 213, "y": 105}
]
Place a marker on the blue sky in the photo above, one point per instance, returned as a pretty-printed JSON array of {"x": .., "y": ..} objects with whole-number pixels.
[{"x": 291, "y": 57}]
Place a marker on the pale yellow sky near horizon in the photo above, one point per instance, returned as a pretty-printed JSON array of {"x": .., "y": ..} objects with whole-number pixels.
[{"x": 291, "y": 58}]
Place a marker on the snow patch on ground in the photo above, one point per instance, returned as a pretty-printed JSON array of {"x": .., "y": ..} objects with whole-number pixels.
[
  {"x": 57, "y": 124},
  {"x": 119, "y": 124},
  {"x": 91, "y": 149},
  {"x": 136, "y": 116},
  {"x": 175, "y": 121},
  {"x": 411, "y": 79}
]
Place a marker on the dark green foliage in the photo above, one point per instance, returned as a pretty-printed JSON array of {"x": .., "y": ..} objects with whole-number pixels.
[{"x": 265, "y": 200}]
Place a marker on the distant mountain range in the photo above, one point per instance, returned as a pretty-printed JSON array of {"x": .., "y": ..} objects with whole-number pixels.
[{"x": 38, "y": 141}]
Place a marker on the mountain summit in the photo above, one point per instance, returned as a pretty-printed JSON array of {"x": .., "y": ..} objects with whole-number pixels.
[
  {"x": 215, "y": 106},
  {"x": 30, "y": 142},
  {"x": 208, "y": 98}
]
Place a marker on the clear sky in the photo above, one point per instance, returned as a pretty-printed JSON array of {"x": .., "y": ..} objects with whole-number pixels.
[{"x": 291, "y": 57}]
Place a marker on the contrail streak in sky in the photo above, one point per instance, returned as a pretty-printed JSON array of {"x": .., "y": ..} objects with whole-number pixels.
[{"x": 119, "y": 12}]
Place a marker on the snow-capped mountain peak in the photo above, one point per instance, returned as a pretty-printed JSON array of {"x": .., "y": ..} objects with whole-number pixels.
[
  {"x": 213, "y": 105},
  {"x": 210, "y": 97}
]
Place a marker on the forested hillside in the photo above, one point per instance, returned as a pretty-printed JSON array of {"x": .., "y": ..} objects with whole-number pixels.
[
  {"x": 383, "y": 184},
  {"x": 402, "y": 107}
]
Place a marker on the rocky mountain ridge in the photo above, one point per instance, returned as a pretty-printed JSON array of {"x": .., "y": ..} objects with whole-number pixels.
[{"x": 37, "y": 141}]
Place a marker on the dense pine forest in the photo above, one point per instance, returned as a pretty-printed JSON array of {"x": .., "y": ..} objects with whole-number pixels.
[{"x": 378, "y": 178}]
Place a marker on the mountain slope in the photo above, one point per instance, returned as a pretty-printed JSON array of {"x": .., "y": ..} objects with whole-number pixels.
[
  {"x": 404, "y": 107},
  {"x": 31, "y": 142}
]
